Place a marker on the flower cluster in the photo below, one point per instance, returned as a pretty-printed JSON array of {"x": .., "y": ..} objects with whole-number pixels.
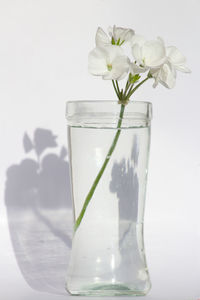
[{"x": 110, "y": 61}]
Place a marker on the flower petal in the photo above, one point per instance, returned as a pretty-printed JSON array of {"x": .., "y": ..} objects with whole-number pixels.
[
  {"x": 166, "y": 75},
  {"x": 177, "y": 59},
  {"x": 183, "y": 68},
  {"x": 135, "y": 69},
  {"x": 97, "y": 64},
  {"x": 113, "y": 51},
  {"x": 101, "y": 38},
  {"x": 175, "y": 56},
  {"x": 138, "y": 39},
  {"x": 137, "y": 53},
  {"x": 110, "y": 31},
  {"x": 153, "y": 53},
  {"x": 120, "y": 67},
  {"x": 124, "y": 34}
]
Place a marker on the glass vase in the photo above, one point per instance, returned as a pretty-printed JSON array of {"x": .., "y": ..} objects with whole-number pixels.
[{"x": 109, "y": 150}]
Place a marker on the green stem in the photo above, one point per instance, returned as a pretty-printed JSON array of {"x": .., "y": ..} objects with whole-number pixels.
[
  {"x": 131, "y": 91},
  {"x": 112, "y": 148},
  {"x": 116, "y": 91},
  {"x": 128, "y": 85}
]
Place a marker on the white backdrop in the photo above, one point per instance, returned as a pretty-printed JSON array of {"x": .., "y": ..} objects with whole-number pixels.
[{"x": 44, "y": 46}]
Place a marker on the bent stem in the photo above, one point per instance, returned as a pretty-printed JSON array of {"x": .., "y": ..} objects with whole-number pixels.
[
  {"x": 112, "y": 148},
  {"x": 91, "y": 192}
]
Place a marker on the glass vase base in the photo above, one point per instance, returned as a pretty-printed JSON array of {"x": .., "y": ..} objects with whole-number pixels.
[{"x": 107, "y": 290}]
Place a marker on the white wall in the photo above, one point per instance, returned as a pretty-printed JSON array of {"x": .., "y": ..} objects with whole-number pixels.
[{"x": 43, "y": 62}]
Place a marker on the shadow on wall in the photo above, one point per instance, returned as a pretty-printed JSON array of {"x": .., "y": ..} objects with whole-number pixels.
[{"x": 39, "y": 210}]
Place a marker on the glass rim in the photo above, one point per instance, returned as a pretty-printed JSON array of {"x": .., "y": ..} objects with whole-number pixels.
[
  {"x": 106, "y": 113},
  {"x": 110, "y": 101}
]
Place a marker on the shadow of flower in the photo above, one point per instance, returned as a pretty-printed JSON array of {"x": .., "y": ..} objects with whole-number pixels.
[
  {"x": 125, "y": 183},
  {"x": 38, "y": 201}
]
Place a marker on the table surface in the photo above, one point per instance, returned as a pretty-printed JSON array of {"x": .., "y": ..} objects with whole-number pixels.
[{"x": 35, "y": 247}]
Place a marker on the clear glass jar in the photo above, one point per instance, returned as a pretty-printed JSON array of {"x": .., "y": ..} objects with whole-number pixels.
[{"x": 109, "y": 150}]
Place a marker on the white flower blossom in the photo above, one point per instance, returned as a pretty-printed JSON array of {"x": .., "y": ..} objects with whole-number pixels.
[
  {"x": 117, "y": 36},
  {"x": 120, "y": 35},
  {"x": 176, "y": 59},
  {"x": 148, "y": 54},
  {"x": 166, "y": 74},
  {"x": 108, "y": 62}
]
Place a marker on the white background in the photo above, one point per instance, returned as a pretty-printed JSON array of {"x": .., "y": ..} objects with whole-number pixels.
[{"x": 44, "y": 46}]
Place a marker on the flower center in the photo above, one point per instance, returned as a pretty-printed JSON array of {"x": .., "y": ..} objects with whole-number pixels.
[{"x": 109, "y": 67}]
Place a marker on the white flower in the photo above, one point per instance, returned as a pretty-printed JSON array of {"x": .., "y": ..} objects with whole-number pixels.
[
  {"x": 135, "y": 69},
  {"x": 108, "y": 62},
  {"x": 166, "y": 74},
  {"x": 148, "y": 54},
  {"x": 120, "y": 35},
  {"x": 117, "y": 36},
  {"x": 176, "y": 59}
]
